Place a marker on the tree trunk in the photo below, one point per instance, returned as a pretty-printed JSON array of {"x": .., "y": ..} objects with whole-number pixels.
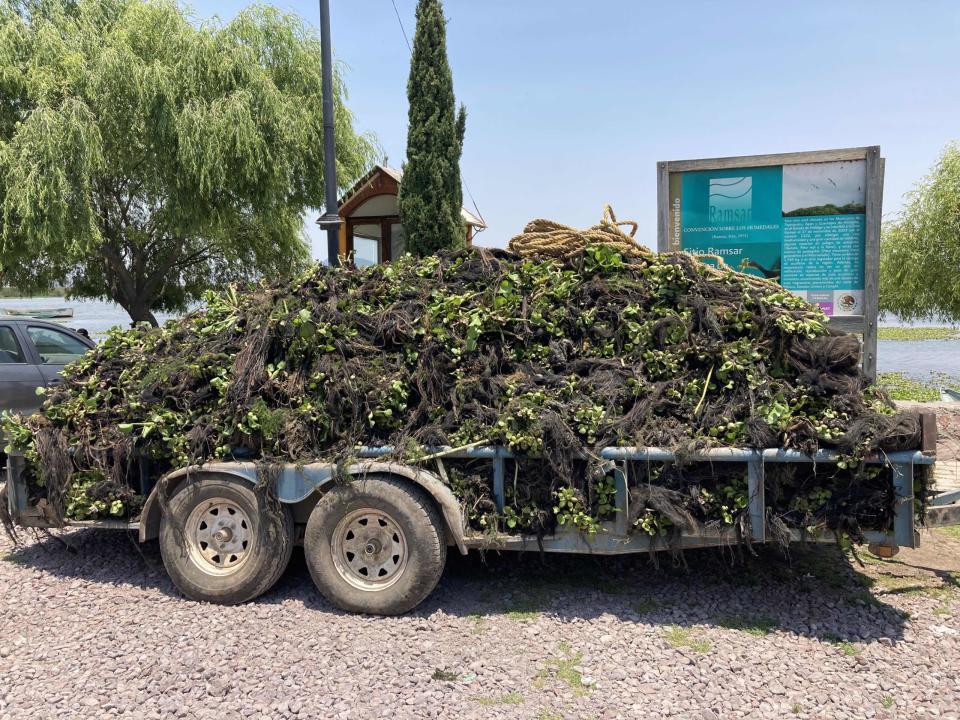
[
  {"x": 128, "y": 286},
  {"x": 138, "y": 311}
]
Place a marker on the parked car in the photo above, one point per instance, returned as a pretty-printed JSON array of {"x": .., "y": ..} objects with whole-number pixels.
[{"x": 32, "y": 354}]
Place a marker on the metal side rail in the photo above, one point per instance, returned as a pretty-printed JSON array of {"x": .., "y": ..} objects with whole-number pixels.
[
  {"x": 944, "y": 509},
  {"x": 615, "y": 538},
  {"x": 296, "y": 483}
]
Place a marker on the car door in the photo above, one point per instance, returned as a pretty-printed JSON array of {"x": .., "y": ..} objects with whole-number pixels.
[
  {"x": 19, "y": 376},
  {"x": 54, "y": 347}
]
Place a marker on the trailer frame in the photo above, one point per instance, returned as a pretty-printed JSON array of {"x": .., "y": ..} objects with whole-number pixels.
[{"x": 299, "y": 483}]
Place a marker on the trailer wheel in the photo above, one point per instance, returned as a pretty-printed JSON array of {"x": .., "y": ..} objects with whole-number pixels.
[
  {"x": 375, "y": 546},
  {"x": 220, "y": 542}
]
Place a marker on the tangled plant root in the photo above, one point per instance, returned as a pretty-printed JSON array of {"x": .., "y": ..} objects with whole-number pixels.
[{"x": 571, "y": 340}]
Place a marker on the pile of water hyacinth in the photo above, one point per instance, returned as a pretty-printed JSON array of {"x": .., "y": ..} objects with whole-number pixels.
[{"x": 550, "y": 357}]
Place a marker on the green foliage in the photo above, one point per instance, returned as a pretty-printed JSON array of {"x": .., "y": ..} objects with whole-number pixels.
[
  {"x": 89, "y": 497},
  {"x": 920, "y": 250},
  {"x": 653, "y": 523},
  {"x": 430, "y": 197},
  {"x": 145, "y": 157},
  {"x": 727, "y": 501},
  {"x": 901, "y": 387},
  {"x": 570, "y": 509}
]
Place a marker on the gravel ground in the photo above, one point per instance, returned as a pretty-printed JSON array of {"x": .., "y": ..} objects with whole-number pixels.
[{"x": 96, "y": 630}]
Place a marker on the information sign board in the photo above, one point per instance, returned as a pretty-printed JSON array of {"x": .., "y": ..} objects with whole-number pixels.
[{"x": 809, "y": 221}]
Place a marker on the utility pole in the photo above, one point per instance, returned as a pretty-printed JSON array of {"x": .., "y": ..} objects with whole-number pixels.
[{"x": 330, "y": 220}]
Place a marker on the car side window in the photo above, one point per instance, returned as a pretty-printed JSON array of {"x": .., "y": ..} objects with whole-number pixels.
[
  {"x": 55, "y": 347},
  {"x": 10, "y": 350}
]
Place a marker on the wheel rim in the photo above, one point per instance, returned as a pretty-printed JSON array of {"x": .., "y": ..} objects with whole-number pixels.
[
  {"x": 369, "y": 549},
  {"x": 219, "y": 536}
]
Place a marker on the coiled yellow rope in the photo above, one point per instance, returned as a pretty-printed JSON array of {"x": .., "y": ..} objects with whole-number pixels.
[{"x": 546, "y": 238}]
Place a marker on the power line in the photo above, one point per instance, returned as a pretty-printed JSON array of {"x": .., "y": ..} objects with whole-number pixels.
[{"x": 402, "y": 29}]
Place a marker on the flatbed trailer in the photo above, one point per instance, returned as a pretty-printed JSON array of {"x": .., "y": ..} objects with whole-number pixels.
[{"x": 378, "y": 543}]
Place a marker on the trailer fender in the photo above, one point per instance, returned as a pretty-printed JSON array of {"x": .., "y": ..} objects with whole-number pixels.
[
  {"x": 297, "y": 483},
  {"x": 447, "y": 502}
]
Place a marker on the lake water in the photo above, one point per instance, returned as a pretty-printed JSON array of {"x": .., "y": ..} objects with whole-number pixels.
[
  {"x": 915, "y": 359},
  {"x": 93, "y": 315}
]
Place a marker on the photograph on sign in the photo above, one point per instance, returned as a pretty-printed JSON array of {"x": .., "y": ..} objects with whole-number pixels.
[
  {"x": 801, "y": 225},
  {"x": 824, "y": 208}
]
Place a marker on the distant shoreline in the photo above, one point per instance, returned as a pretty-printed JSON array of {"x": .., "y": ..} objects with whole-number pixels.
[
  {"x": 914, "y": 334},
  {"x": 11, "y": 293}
]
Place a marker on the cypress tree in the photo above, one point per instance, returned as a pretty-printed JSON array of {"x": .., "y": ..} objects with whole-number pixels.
[{"x": 430, "y": 195}]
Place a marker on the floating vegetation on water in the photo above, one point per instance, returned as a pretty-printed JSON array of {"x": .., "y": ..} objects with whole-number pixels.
[
  {"x": 911, "y": 334},
  {"x": 902, "y": 387}
]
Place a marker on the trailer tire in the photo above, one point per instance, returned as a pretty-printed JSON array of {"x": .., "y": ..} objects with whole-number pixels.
[
  {"x": 222, "y": 543},
  {"x": 375, "y": 545}
]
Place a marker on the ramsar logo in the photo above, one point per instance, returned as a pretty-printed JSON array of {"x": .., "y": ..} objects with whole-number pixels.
[{"x": 731, "y": 199}]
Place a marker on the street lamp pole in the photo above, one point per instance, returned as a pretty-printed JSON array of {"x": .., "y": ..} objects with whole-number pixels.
[{"x": 330, "y": 220}]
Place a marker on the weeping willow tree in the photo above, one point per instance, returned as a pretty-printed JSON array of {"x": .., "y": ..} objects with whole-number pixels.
[
  {"x": 920, "y": 252},
  {"x": 145, "y": 157}
]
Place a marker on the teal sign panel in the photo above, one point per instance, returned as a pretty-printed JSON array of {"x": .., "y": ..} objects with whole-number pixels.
[{"x": 801, "y": 225}]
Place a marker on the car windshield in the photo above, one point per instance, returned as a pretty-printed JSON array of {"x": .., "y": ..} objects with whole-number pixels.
[
  {"x": 54, "y": 346},
  {"x": 10, "y": 351}
]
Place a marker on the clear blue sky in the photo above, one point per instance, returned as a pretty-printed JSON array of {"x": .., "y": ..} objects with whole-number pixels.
[{"x": 571, "y": 104}]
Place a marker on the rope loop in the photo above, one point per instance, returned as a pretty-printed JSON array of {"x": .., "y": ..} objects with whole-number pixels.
[{"x": 546, "y": 238}]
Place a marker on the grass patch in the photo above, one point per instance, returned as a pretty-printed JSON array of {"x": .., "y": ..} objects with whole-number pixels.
[
  {"x": 915, "y": 585},
  {"x": 513, "y": 698},
  {"x": 900, "y": 584},
  {"x": 951, "y": 531},
  {"x": 444, "y": 675},
  {"x": 918, "y": 333},
  {"x": 678, "y": 637},
  {"x": 479, "y": 624},
  {"x": 564, "y": 667},
  {"x": 796, "y": 708},
  {"x": 887, "y": 702},
  {"x": 547, "y": 715},
  {"x": 756, "y": 626},
  {"x": 528, "y": 607},
  {"x": 645, "y": 606},
  {"x": 846, "y": 647},
  {"x": 524, "y": 610}
]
